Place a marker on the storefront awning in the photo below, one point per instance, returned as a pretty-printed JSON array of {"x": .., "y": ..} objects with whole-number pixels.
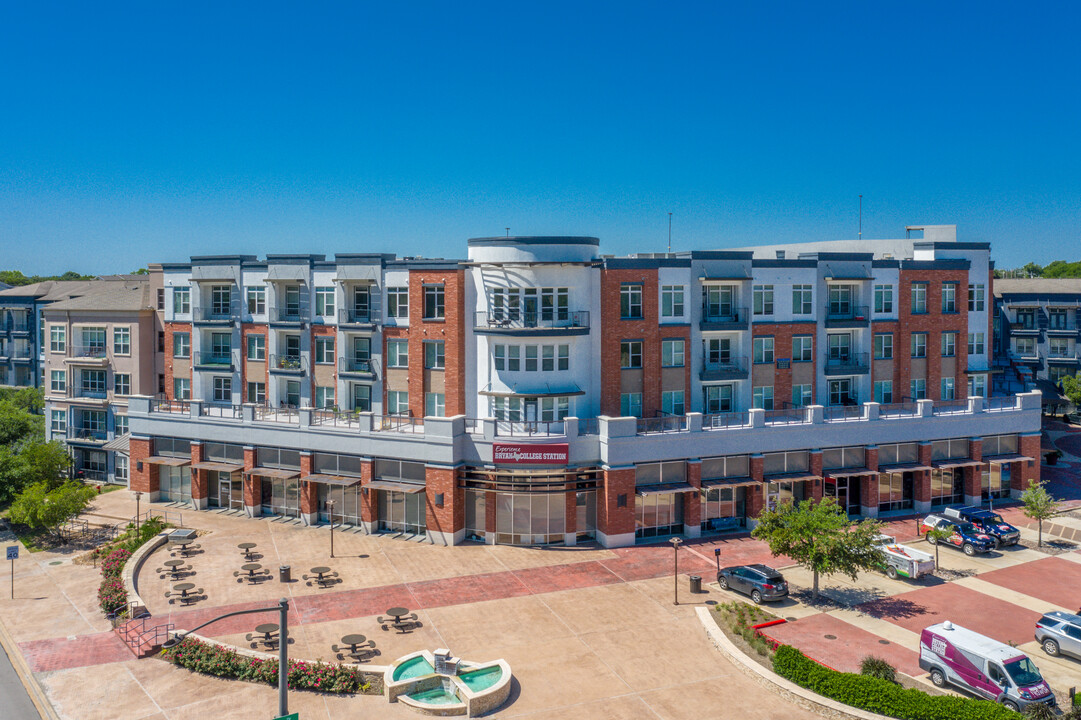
[
  {"x": 903, "y": 467},
  {"x": 790, "y": 477},
  {"x": 850, "y": 472},
  {"x": 952, "y": 464},
  {"x": 410, "y": 488},
  {"x": 665, "y": 489},
  {"x": 170, "y": 461},
  {"x": 1014, "y": 457},
  {"x": 217, "y": 466},
  {"x": 545, "y": 390},
  {"x": 728, "y": 482},
  {"x": 336, "y": 480},
  {"x": 276, "y": 473}
]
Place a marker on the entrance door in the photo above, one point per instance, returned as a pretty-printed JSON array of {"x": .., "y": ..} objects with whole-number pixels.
[
  {"x": 531, "y": 410},
  {"x": 840, "y": 392},
  {"x": 529, "y": 308}
]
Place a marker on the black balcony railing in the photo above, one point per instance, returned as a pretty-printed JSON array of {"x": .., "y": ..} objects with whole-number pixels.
[
  {"x": 292, "y": 314},
  {"x": 521, "y": 320},
  {"x": 91, "y": 393},
  {"x": 355, "y": 365},
  {"x": 662, "y": 424},
  {"x": 290, "y": 363},
  {"x": 87, "y": 434},
  {"x": 718, "y": 421},
  {"x": 846, "y": 312},
  {"x": 215, "y": 314},
  {"x": 223, "y": 358},
  {"x": 357, "y": 316},
  {"x": 846, "y": 363},
  {"x": 724, "y": 368},
  {"x": 724, "y": 315},
  {"x": 88, "y": 351}
]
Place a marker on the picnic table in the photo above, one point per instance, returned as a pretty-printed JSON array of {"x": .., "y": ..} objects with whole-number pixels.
[
  {"x": 174, "y": 569},
  {"x": 185, "y": 592},
  {"x": 248, "y": 548},
  {"x": 251, "y": 572},
  {"x": 323, "y": 576},
  {"x": 184, "y": 546},
  {"x": 265, "y": 634},
  {"x": 357, "y": 647},
  {"x": 400, "y": 619}
]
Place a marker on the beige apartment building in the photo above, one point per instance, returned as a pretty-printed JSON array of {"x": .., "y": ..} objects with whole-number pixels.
[{"x": 99, "y": 349}]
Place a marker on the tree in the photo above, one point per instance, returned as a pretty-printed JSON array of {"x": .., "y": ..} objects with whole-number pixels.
[
  {"x": 937, "y": 535},
  {"x": 1039, "y": 505},
  {"x": 44, "y": 509},
  {"x": 1032, "y": 270},
  {"x": 819, "y": 536},
  {"x": 1071, "y": 388},
  {"x": 17, "y": 424}
]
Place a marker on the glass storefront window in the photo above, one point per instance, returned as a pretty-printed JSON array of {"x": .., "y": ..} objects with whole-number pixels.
[
  {"x": 402, "y": 512},
  {"x": 658, "y": 515},
  {"x": 226, "y": 490},
  {"x": 721, "y": 507},
  {"x": 895, "y": 491},
  {"x": 586, "y": 514},
  {"x": 347, "y": 503},
  {"x": 995, "y": 480},
  {"x": 778, "y": 492},
  {"x": 530, "y": 518},
  {"x": 281, "y": 497},
  {"x": 174, "y": 483},
  {"x": 947, "y": 487},
  {"x": 475, "y": 515}
]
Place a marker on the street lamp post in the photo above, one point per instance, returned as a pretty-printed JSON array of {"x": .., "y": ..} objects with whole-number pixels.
[
  {"x": 138, "y": 494},
  {"x": 717, "y": 555},
  {"x": 330, "y": 511},
  {"x": 676, "y": 542},
  {"x": 283, "y": 644}
]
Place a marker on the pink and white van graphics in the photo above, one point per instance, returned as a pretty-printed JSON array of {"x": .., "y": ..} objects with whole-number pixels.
[{"x": 985, "y": 667}]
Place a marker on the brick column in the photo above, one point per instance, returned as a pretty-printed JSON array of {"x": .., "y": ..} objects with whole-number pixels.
[
  {"x": 143, "y": 480},
  {"x": 816, "y": 486},
  {"x": 369, "y": 505},
  {"x": 253, "y": 486},
  {"x": 309, "y": 493},
  {"x": 869, "y": 485},
  {"x": 756, "y": 494},
  {"x": 200, "y": 479},
  {"x": 570, "y": 511},
  {"x": 973, "y": 474},
  {"x": 921, "y": 481},
  {"x": 615, "y": 523},
  {"x": 692, "y": 501},
  {"x": 1024, "y": 471},
  {"x": 446, "y": 524}
]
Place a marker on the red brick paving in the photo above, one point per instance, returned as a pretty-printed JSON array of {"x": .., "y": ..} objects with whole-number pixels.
[
  {"x": 851, "y": 646},
  {"x": 969, "y": 608},
  {"x": 1052, "y": 579},
  {"x": 84, "y": 650}
]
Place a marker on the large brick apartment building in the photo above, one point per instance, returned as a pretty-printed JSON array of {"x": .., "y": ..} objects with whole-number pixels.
[{"x": 540, "y": 392}]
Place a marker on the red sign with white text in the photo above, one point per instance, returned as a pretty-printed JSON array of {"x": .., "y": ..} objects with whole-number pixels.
[{"x": 529, "y": 454}]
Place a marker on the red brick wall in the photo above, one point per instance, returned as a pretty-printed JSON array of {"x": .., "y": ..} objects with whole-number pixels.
[
  {"x": 755, "y": 494},
  {"x": 451, "y": 331},
  {"x": 570, "y": 512},
  {"x": 200, "y": 480},
  {"x": 782, "y": 334},
  {"x": 614, "y": 330},
  {"x": 814, "y": 487},
  {"x": 1029, "y": 445},
  {"x": 253, "y": 485},
  {"x": 934, "y": 323},
  {"x": 692, "y": 501},
  {"x": 369, "y": 507},
  {"x": 451, "y": 517},
  {"x": 169, "y": 329},
  {"x": 611, "y": 519},
  {"x": 145, "y": 480},
  {"x": 309, "y": 491},
  {"x": 869, "y": 483},
  {"x": 922, "y": 479}
]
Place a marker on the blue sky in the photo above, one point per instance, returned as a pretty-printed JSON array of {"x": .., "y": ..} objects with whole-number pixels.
[{"x": 155, "y": 131}]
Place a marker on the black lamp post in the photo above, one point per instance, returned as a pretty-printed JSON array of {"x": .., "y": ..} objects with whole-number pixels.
[
  {"x": 717, "y": 556},
  {"x": 676, "y": 542},
  {"x": 138, "y": 495},
  {"x": 283, "y": 644},
  {"x": 330, "y": 511}
]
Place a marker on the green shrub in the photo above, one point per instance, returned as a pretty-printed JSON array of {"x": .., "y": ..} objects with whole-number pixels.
[
  {"x": 111, "y": 594},
  {"x": 875, "y": 667},
  {"x": 1040, "y": 712},
  {"x": 881, "y": 696}
]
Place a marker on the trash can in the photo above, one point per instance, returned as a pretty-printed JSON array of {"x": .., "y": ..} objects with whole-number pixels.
[
  {"x": 284, "y": 574},
  {"x": 696, "y": 583}
]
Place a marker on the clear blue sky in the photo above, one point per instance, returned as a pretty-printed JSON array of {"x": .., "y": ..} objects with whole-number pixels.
[{"x": 160, "y": 130}]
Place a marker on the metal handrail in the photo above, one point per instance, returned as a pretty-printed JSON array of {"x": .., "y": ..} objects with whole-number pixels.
[
  {"x": 404, "y": 423},
  {"x": 169, "y": 406},
  {"x": 529, "y": 427},
  {"x": 221, "y": 410},
  {"x": 516, "y": 318},
  {"x": 734, "y": 315},
  {"x": 898, "y": 409},
  {"x": 851, "y": 312},
  {"x": 90, "y": 351},
  {"x": 787, "y": 416},
  {"x": 288, "y": 362},
  {"x": 842, "y": 413},
  {"x": 949, "y": 407},
  {"x": 717, "y": 421},
  {"x": 665, "y": 423}
]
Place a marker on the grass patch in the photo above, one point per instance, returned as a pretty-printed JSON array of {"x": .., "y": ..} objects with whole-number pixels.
[{"x": 738, "y": 617}]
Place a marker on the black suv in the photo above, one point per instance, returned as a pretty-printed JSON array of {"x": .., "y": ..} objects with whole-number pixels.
[{"x": 759, "y": 581}]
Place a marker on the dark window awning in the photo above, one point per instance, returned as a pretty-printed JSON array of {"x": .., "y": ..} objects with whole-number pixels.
[
  {"x": 118, "y": 444},
  {"x": 170, "y": 461},
  {"x": 545, "y": 390},
  {"x": 728, "y": 482},
  {"x": 952, "y": 464},
  {"x": 410, "y": 488},
  {"x": 850, "y": 472},
  {"x": 336, "y": 480},
  {"x": 1012, "y": 457},
  {"x": 790, "y": 477},
  {"x": 217, "y": 466},
  {"x": 275, "y": 473},
  {"x": 665, "y": 489},
  {"x": 903, "y": 467}
]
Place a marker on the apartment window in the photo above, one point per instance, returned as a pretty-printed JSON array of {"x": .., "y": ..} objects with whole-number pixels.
[
  {"x": 362, "y": 398},
  {"x": 181, "y": 301},
  {"x": 161, "y": 341},
  {"x": 398, "y": 302},
  {"x": 324, "y": 350},
  {"x": 801, "y": 395},
  {"x": 630, "y": 405},
  {"x": 718, "y": 399},
  {"x": 884, "y": 346},
  {"x": 949, "y": 344},
  {"x": 840, "y": 392},
  {"x": 1056, "y": 319},
  {"x": 181, "y": 345},
  {"x": 672, "y": 402},
  {"x": 717, "y": 301},
  {"x": 256, "y": 300},
  {"x": 949, "y": 297},
  {"x": 975, "y": 343},
  {"x": 514, "y": 358},
  {"x": 1025, "y": 347},
  {"x": 58, "y": 338},
  {"x": 257, "y": 392},
  {"x": 324, "y": 301},
  {"x": 884, "y": 299},
  {"x": 122, "y": 383},
  {"x": 531, "y": 358},
  {"x": 947, "y": 389},
  {"x": 93, "y": 381},
  {"x": 58, "y": 380},
  {"x": 221, "y": 346},
  {"x": 917, "y": 389},
  {"x": 1058, "y": 347},
  {"x": 919, "y": 345},
  {"x": 397, "y": 402},
  {"x": 672, "y": 353},
  {"x": 884, "y": 391},
  {"x": 802, "y": 348},
  {"x": 763, "y": 349},
  {"x": 762, "y": 397},
  {"x": 120, "y": 426},
  {"x": 555, "y": 409},
  {"x": 919, "y": 298},
  {"x": 977, "y": 385},
  {"x": 220, "y": 299},
  {"x": 671, "y": 301},
  {"x": 435, "y": 405},
  {"x": 763, "y": 299},
  {"x": 564, "y": 359},
  {"x": 548, "y": 360},
  {"x": 801, "y": 300},
  {"x": 161, "y": 298},
  {"x": 630, "y": 354},
  {"x": 121, "y": 472},
  {"x": 434, "y": 358},
  {"x": 182, "y": 388},
  {"x": 433, "y": 302},
  {"x": 122, "y": 341},
  {"x": 324, "y": 396},
  {"x": 397, "y": 353},
  {"x": 499, "y": 357},
  {"x": 257, "y": 347},
  {"x": 223, "y": 389},
  {"x": 58, "y": 421},
  {"x": 976, "y": 297},
  {"x": 161, "y": 383},
  {"x": 1055, "y": 373},
  {"x": 630, "y": 302}
]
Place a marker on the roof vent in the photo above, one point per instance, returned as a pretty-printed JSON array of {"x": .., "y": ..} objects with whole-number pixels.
[{"x": 947, "y": 625}]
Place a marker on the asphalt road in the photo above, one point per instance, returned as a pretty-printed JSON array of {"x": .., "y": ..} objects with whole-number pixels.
[{"x": 16, "y": 704}]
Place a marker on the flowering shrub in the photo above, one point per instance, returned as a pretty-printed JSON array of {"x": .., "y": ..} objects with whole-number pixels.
[
  {"x": 113, "y": 564},
  {"x": 209, "y": 659},
  {"x": 111, "y": 594}
]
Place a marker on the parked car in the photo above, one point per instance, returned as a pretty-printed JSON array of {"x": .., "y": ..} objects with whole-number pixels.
[
  {"x": 964, "y": 535},
  {"x": 954, "y": 655},
  {"x": 903, "y": 560},
  {"x": 759, "y": 581},
  {"x": 1059, "y": 633},
  {"x": 987, "y": 521}
]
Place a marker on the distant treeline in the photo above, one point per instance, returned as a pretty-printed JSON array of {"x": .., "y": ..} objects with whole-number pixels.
[
  {"x": 15, "y": 278},
  {"x": 1056, "y": 269}
]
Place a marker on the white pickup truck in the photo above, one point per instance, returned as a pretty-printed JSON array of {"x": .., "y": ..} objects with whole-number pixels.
[{"x": 903, "y": 560}]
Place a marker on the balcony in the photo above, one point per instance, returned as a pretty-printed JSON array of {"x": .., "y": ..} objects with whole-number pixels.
[
  {"x": 847, "y": 364},
  {"x": 214, "y": 360},
  {"x": 733, "y": 368},
  {"x": 356, "y": 367},
  {"x": 214, "y": 315},
  {"x": 1067, "y": 358},
  {"x": 17, "y": 327},
  {"x": 359, "y": 318},
  {"x": 844, "y": 315},
  {"x": 288, "y": 364},
  {"x": 290, "y": 315},
  {"x": 1062, "y": 329},
  {"x": 87, "y": 355},
  {"x": 724, "y": 319},
  {"x": 20, "y": 354},
  {"x": 88, "y": 393},
  {"x": 89, "y": 436},
  {"x": 519, "y": 322}
]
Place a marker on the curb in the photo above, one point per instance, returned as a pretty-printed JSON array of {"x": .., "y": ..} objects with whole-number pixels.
[{"x": 767, "y": 678}]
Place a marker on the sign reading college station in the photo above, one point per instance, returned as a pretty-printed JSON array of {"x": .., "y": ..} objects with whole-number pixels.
[{"x": 529, "y": 453}]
